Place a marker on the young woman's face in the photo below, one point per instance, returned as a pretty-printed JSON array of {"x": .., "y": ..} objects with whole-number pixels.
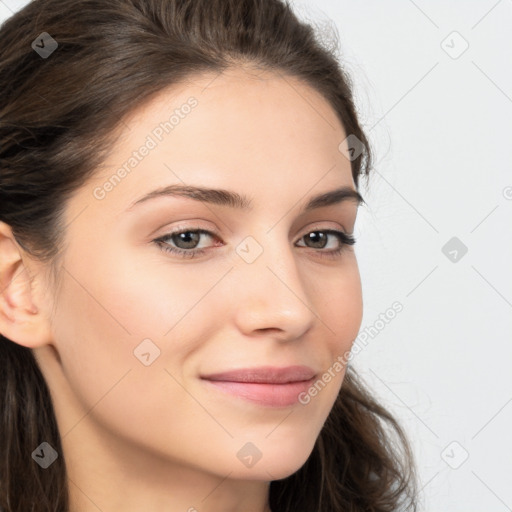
[{"x": 138, "y": 328}]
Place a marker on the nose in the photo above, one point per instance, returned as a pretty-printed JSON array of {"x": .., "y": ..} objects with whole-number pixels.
[{"x": 270, "y": 295}]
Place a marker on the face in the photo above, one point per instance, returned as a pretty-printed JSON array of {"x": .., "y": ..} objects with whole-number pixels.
[{"x": 157, "y": 293}]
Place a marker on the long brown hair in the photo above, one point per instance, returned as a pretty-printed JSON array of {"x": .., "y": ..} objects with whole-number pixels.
[{"x": 58, "y": 116}]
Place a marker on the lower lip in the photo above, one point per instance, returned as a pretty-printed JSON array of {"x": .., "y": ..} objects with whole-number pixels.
[{"x": 274, "y": 395}]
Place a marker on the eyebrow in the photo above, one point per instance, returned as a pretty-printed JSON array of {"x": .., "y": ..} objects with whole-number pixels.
[{"x": 232, "y": 199}]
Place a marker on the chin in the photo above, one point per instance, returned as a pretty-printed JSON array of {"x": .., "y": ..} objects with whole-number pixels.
[
  {"x": 285, "y": 467},
  {"x": 275, "y": 464},
  {"x": 271, "y": 471}
]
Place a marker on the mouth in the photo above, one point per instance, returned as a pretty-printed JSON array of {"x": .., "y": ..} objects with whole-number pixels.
[{"x": 265, "y": 385}]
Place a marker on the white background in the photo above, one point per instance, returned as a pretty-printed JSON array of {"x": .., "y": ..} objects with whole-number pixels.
[{"x": 440, "y": 122}]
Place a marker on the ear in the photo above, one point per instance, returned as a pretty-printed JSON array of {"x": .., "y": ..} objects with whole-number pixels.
[{"x": 21, "y": 316}]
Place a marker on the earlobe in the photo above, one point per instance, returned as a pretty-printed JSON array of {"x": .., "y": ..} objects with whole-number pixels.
[{"x": 21, "y": 320}]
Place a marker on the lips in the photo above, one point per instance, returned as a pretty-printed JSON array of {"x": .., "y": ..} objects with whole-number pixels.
[
  {"x": 265, "y": 375},
  {"x": 266, "y": 385}
]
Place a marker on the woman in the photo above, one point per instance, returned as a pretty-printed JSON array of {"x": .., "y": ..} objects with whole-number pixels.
[{"x": 179, "y": 290}]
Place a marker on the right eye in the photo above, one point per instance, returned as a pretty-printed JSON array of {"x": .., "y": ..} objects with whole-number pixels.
[{"x": 185, "y": 236}]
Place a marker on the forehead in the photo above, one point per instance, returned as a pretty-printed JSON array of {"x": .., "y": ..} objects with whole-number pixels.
[
  {"x": 251, "y": 130},
  {"x": 246, "y": 105}
]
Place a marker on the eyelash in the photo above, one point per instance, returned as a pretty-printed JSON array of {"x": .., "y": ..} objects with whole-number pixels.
[{"x": 344, "y": 238}]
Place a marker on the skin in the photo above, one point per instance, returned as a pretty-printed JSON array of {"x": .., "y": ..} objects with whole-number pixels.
[{"x": 156, "y": 437}]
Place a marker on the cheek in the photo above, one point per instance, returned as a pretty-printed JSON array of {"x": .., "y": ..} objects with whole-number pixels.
[
  {"x": 98, "y": 325},
  {"x": 115, "y": 307},
  {"x": 152, "y": 295},
  {"x": 341, "y": 312},
  {"x": 342, "y": 306}
]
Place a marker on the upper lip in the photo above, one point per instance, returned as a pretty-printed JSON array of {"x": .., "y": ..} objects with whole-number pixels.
[{"x": 265, "y": 374}]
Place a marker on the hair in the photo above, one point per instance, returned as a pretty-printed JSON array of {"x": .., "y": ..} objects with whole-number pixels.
[{"x": 59, "y": 117}]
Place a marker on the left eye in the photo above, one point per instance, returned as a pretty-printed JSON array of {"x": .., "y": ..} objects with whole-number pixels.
[
  {"x": 190, "y": 237},
  {"x": 342, "y": 237}
]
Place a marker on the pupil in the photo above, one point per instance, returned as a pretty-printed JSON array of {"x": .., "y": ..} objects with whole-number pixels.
[
  {"x": 317, "y": 235},
  {"x": 188, "y": 234}
]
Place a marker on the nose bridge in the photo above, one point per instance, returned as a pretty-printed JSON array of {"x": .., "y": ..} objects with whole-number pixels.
[{"x": 270, "y": 293}]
